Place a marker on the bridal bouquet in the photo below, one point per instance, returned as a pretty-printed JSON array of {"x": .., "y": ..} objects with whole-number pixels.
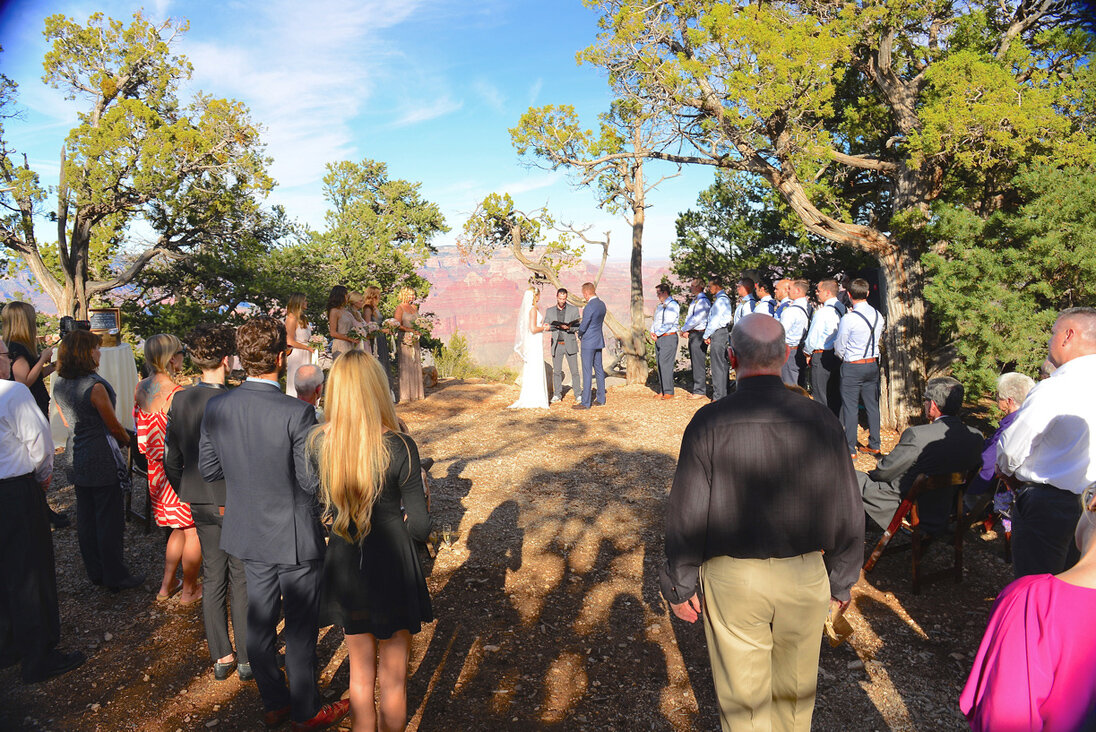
[
  {"x": 390, "y": 325},
  {"x": 318, "y": 342},
  {"x": 423, "y": 325}
]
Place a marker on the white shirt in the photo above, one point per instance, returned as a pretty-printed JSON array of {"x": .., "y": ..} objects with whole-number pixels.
[
  {"x": 1049, "y": 441},
  {"x": 794, "y": 318},
  {"x": 26, "y": 445},
  {"x": 745, "y": 306},
  {"x": 856, "y": 339},
  {"x": 824, "y": 326}
]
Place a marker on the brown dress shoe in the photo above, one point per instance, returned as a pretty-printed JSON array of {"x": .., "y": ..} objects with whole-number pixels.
[
  {"x": 868, "y": 450},
  {"x": 276, "y": 718},
  {"x": 328, "y": 715}
]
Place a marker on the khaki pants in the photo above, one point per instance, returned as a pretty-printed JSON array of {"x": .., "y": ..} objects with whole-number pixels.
[{"x": 763, "y": 620}]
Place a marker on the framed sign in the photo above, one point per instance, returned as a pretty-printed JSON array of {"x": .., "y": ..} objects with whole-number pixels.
[{"x": 105, "y": 319}]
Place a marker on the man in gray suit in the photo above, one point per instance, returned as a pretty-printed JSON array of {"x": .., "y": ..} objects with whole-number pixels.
[
  {"x": 564, "y": 344},
  {"x": 945, "y": 445},
  {"x": 253, "y": 438}
]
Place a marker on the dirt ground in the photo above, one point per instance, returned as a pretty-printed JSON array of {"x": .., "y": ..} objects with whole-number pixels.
[{"x": 547, "y": 603}]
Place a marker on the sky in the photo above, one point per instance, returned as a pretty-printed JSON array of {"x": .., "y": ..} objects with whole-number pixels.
[{"x": 429, "y": 87}]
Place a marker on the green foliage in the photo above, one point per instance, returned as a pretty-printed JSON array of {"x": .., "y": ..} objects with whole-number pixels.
[
  {"x": 496, "y": 224},
  {"x": 997, "y": 284},
  {"x": 379, "y": 231},
  {"x": 740, "y": 224},
  {"x": 139, "y": 159},
  {"x": 454, "y": 361}
]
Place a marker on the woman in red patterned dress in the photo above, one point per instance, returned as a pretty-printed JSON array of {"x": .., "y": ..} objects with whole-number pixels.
[{"x": 164, "y": 357}]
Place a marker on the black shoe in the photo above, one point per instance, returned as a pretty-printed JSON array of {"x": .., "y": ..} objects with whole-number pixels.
[
  {"x": 244, "y": 671},
  {"x": 427, "y": 463},
  {"x": 57, "y": 663},
  {"x": 59, "y": 520},
  {"x": 134, "y": 580},
  {"x": 222, "y": 671}
]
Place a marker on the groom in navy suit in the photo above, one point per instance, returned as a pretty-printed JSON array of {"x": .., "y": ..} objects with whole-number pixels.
[{"x": 589, "y": 332}]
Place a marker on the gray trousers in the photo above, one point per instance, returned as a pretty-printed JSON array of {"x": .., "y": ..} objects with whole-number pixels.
[
  {"x": 218, "y": 567},
  {"x": 721, "y": 366},
  {"x": 826, "y": 380},
  {"x": 860, "y": 383},
  {"x": 794, "y": 371},
  {"x": 558, "y": 354},
  {"x": 665, "y": 356},
  {"x": 698, "y": 355},
  {"x": 882, "y": 499}
]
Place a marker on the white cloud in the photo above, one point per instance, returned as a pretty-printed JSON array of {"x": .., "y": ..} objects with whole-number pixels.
[
  {"x": 426, "y": 111},
  {"x": 534, "y": 91},
  {"x": 490, "y": 94},
  {"x": 532, "y": 183},
  {"x": 305, "y": 70}
]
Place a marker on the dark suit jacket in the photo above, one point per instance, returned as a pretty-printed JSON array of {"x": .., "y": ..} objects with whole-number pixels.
[
  {"x": 254, "y": 438},
  {"x": 184, "y": 430},
  {"x": 568, "y": 314},
  {"x": 945, "y": 446},
  {"x": 593, "y": 316}
]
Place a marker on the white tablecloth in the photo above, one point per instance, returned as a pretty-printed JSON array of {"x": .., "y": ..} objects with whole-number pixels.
[{"x": 119, "y": 368}]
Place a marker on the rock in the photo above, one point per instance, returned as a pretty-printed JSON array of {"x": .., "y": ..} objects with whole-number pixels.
[
  {"x": 96, "y": 707},
  {"x": 855, "y": 665},
  {"x": 146, "y": 677},
  {"x": 108, "y": 636},
  {"x": 490, "y": 649},
  {"x": 213, "y": 722}
]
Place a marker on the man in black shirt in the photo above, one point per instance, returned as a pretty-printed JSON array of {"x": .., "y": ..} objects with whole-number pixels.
[{"x": 764, "y": 518}]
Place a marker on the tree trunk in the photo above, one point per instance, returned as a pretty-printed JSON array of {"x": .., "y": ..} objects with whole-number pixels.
[
  {"x": 903, "y": 338},
  {"x": 635, "y": 351}
]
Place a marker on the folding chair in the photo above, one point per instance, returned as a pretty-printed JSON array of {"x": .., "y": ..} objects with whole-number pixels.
[
  {"x": 906, "y": 517},
  {"x": 139, "y": 465}
]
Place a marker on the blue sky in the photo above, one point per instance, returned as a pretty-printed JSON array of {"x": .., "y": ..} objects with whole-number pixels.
[{"x": 429, "y": 87}]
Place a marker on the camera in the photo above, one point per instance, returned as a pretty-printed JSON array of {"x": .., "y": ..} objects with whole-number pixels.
[{"x": 69, "y": 324}]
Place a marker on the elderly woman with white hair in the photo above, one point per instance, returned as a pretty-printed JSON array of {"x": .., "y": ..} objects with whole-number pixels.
[{"x": 1012, "y": 390}]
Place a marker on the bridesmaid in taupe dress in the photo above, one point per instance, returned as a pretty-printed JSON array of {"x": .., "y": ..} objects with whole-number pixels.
[
  {"x": 340, "y": 322},
  {"x": 410, "y": 358}
]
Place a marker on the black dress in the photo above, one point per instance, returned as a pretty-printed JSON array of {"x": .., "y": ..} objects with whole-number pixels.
[
  {"x": 38, "y": 389},
  {"x": 379, "y": 587}
]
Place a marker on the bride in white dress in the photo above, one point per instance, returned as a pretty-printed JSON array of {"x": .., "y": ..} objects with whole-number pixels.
[{"x": 529, "y": 343}]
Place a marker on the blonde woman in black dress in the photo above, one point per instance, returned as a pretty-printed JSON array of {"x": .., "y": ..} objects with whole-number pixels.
[{"x": 373, "y": 585}]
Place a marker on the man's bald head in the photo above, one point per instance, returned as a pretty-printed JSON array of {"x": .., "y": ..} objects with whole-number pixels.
[
  {"x": 1073, "y": 335},
  {"x": 757, "y": 345}
]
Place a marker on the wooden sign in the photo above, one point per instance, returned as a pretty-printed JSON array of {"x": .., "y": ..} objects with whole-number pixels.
[{"x": 105, "y": 319}]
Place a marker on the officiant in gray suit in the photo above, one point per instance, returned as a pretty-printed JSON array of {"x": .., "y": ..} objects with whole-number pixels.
[{"x": 564, "y": 344}]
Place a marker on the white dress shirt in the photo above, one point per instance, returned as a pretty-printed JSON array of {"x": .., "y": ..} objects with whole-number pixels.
[
  {"x": 766, "y": 306},
  {"x": 665, "y": 318},
  {"x": 824, "y": 324},
  {"x": 1049, "y": 442},
  {"x": 26, "y": 445},
  {"x": 745, "y": 306},
  {"x": 697, "y": 316},
  {"x": 857, "y": 339},
  {"x": 794, "y": 318}
]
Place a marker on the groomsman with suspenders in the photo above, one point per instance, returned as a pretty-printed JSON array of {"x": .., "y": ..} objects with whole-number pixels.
[
  {"x": 716, "y": 335},
  {"x": 696, "y": 320},
  {"x": 795, "y": 317},
  {"x": 857, "y": 345},
  {"x": 825, "y": 366},
  {"x": 664, "y": 333}
]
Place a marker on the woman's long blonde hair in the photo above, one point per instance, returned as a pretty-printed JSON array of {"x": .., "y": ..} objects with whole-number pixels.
[
  {"x": 20, "y": 325},
  {"x": 352, "y": 455},
  {"x": 295, "y": 307}
]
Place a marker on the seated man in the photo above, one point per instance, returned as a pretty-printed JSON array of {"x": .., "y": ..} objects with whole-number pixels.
[{"x": 945, "y": 445}]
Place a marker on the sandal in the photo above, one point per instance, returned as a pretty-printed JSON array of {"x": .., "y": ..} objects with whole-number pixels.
[
  {"x": 175, "y": 590},
  {"x": 196, "y": 598}
]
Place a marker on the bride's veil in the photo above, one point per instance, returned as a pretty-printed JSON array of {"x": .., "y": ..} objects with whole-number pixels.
[{"x": 521, "y": 332}]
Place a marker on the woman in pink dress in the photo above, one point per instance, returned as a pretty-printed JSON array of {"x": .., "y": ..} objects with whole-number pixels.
[
  {"x": 1035, "y": 667},
  {"x": 164, "y": 357}
]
